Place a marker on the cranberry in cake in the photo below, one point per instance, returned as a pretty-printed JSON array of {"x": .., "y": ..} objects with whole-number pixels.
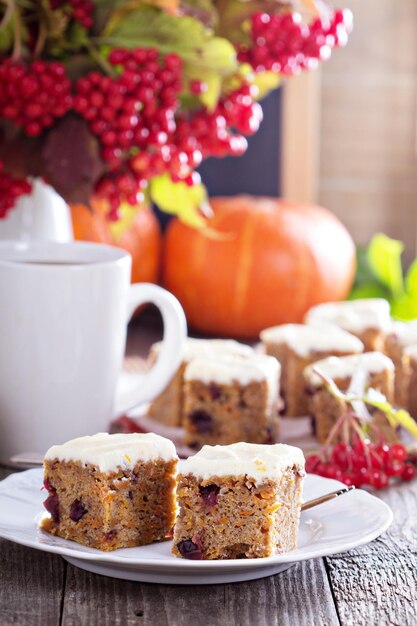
[
  {"x": 356, "y": 373},
  {"x": 296, "y": 346},
  {"x": 239, "y": 501},
  {"x": 231, "y": 399},
  {"x": 369, "y": 319},
  {"x": 111, "y": 491},
  {"x": 167, "y": 408}
]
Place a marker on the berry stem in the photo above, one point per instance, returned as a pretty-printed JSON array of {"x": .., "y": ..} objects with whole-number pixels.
[
  {"x": 8, "y": 13},
  {"x": 17, "y": 44},
  {"x": 99, "y": 59}
]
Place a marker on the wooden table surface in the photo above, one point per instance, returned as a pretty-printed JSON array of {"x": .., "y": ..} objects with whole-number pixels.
[{"x": 375, "y": 585}]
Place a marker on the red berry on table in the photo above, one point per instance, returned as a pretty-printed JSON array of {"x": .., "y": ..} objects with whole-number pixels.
[
  {"x": 398, "y": 452},
  {"x": 394, "y": 468},
  {"x": 378, "y": 479},
  {"x": 409, "y": 472},
  {"x": 347, "y": 478},
  {"x": 311, "y": 463}
]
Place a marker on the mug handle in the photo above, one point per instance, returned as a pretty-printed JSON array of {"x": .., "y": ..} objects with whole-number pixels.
[{"x": 145, "y": 387}]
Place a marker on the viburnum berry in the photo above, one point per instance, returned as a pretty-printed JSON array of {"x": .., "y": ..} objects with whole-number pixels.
[
  {"x": 133, "y": 116},
  {"x": 397, "y": 452},
  {"x": 80, "y": 10},
  {"x": 284, "y": 43},
  {"x": 33, "y": 95},
  {"x": 11, "y": 189},
  {"x": 362, "y": 463},
  {"x": 409, "y": 472}
]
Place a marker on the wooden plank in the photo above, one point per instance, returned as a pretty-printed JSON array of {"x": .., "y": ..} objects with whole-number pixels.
[
  {"x": 377, "y": 584},
  {"x": 31, "y": 583},
  {"x": 300, "y": 137},
  {"x": 31, "y": 586},
  {"x": 299, "y": 596},
  {"x": 368, "y": 135}
]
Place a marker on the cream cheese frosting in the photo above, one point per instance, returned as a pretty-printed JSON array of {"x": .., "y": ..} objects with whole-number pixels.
[
  {"x": 345, "y": 366},
  {"x": 193, "y": 348},
  {"x": 411, "y": 351},
  {"x": 304, "y": 339},
  {"x": 405, "y": 332},
  {"x": 111, "y": 452},
  {"x": 352, "y": 315},
  {"x": 257, "y": 461}
]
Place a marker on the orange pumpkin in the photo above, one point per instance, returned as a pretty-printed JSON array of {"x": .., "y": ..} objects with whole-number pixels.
[
  {"x": 139, "y": 234},
  {"x": 270, "y": 262}
]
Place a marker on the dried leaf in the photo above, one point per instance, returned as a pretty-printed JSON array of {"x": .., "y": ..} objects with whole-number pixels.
[{"x": 72, "y": 161}]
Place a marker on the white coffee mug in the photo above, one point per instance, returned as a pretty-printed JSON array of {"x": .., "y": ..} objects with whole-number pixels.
[{"x": 64, "y": 309}]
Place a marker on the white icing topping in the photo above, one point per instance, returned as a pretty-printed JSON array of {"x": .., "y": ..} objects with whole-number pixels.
[
  {"x": 405, "y": 332},
  {"x": 411, "y": 351},
  {"x": 345, "y": 366},
  {"x": 305, "y": 340},
  {"x": 257, "y": 461},
  {"x": 109, "y": 452},
  {"x": 234, "y": 368},
  {"x": 193, "y": 348},
  {"x": 353, "y": 315}
]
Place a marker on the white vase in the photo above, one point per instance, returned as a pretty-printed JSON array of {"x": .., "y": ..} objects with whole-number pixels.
[{"x": 42, "y": 215}]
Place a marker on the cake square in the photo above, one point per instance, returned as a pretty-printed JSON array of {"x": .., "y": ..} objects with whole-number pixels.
[
  {"x": 111, "y": 491},
  {"x": 231, "y": 399},
  {"x": 296, "y": 346},
  {"x": 410, "y": 380},
  {"x": 376, "y": 371},
  {"x": 167, "y": 407},
  {"x": 239, "y": 501},
  {"x": 369, "y": 319},
  {"x": 402, "y": 337}
]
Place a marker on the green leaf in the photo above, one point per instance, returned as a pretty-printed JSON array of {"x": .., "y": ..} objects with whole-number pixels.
[
  {"x": 411, "y": 279},
  {"x": 405, "y": 306},
  {"x": 179, "y": 199},
  {"x": 384, "y": 257},
  {"x": 369, "y": 290},
  {"x": 206, "y": 57},
  {"x": 266, "y": 82},
  {"x": 6, "y": 31}
]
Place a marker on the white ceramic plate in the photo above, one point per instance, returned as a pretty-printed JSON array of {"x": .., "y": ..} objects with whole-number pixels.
[{"x": 338, "y": 525}]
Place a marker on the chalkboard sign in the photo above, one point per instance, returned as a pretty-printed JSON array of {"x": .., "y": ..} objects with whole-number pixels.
[{"x": 257, "y": 171}]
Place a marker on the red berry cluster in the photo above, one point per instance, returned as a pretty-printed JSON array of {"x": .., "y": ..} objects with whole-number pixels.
[
  {"x": 34, "y": 95},
  {"x": 213, "y": 133},
  {"x": 363, "y": 463},
  {"x": 133, "y": 117},
  {"x": 284, "y": 43},
  {"x": 10, "y": 190},
  {"x": 82, "y": 10}
]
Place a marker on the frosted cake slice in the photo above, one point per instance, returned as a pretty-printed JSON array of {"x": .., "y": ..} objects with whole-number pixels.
[
  {"x": 237, "y": 501},
  {"x": 369, "y": 319},
  {"x": 296, "y": 346},
  {"x": 111, "y": 491},
  {"x": 231, "y": 399},
  {"x": 372, "y": 369},
  {"x": 167, "y": 408},
  {"x": 400, "y": 340}
]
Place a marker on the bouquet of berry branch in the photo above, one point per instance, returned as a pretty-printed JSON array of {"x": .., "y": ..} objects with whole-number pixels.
[
  {"x": 356, "y": 451},
  {"x": 119, "y": 101}
]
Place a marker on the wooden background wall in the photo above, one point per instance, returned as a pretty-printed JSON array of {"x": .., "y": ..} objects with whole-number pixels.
[{"x": 367, "y": 163}]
